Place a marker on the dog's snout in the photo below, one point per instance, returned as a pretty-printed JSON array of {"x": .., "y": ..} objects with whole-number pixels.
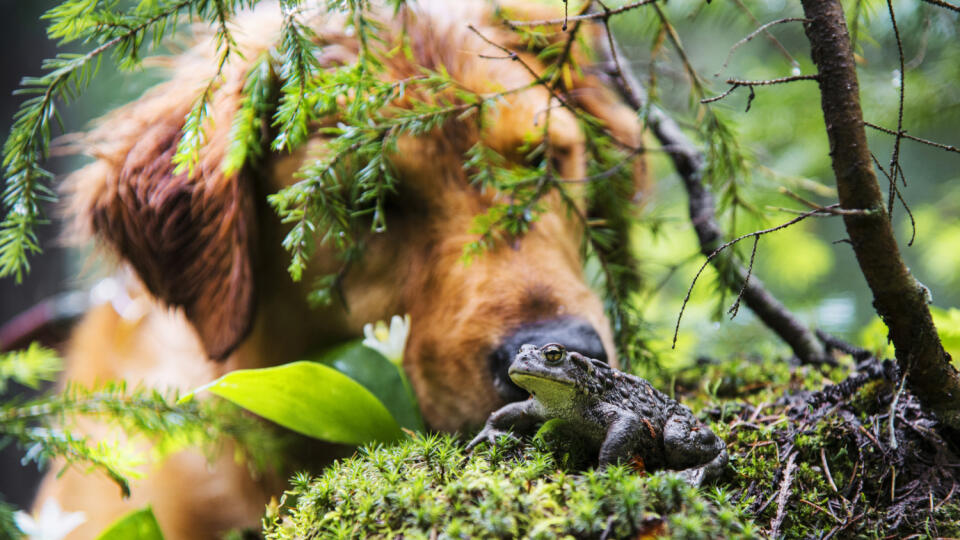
[{"x": 573, "y": 333}]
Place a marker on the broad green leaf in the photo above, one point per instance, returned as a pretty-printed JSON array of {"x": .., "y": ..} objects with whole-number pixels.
[
  {"x": 140, "y": 524},
  {"x": 312, "y": 399},
  {"x": 378, "y": 375}
]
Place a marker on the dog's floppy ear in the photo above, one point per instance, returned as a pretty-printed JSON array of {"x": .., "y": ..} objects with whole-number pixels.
[{"x": 190, "y": 238}]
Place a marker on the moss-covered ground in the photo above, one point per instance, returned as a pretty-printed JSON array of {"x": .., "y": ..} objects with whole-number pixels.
[
  {"x": 428, "y": 488},
  {"x": 813, "y": 455}
]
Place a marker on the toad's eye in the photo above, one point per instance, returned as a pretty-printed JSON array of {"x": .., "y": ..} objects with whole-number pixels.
[{"x": 553, "y": 353}]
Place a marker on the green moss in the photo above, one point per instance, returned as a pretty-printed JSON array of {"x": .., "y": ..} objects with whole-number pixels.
[
  {"x": 544, "y": 488},
  {"x": 428, "y": 488}
]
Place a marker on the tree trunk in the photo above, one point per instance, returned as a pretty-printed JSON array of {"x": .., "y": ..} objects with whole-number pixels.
[{"x": 899, "y": 299}]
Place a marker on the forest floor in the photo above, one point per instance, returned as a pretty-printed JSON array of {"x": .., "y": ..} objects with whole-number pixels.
[{"x": 835, "y": 452}]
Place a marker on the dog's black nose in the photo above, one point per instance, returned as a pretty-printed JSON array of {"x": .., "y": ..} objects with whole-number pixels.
[{"x": 573, "y": 333}]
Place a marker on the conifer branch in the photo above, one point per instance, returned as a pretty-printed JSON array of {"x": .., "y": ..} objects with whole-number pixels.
[{"x": 25, "y": 189}]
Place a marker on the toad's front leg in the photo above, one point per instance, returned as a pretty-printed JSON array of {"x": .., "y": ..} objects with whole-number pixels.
[
  {"x": 522, "y": 417},
  {"x": 620, "y": 443}
]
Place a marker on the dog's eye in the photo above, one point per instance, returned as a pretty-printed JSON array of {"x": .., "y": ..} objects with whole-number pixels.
[{"x": 553, "y": 353}]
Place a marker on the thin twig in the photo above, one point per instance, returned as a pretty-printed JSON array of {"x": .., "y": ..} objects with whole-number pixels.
[
  {"x": 833, "y": 209},
  {"x": 871, "y": 437},
  {"x": 826, "y": 470},
  {"x": 537, "y": 78},
  {"x": 844, "y": 526},
  {"x": 783, "y": 495},
  {"x": 895, "y": 169},
  {"x": 571, "y": 38},
  {"x": 711, "y": 256},
  {"x": 584, "y": 17},
  {"x": 821, "y": 509},
  {"x": 675, "y": 40},
  {"x": 689, "y": 163},
  {"x": 896, "y": 193},
  {"x": 771, "y": 37},
  {"x": 754, "y": 34},
  {"x": 735, "y": 308},
  {"x": 893, "y": 410},
  {"x": 953, "y": 488},
  {"x": 905, "y": 135},
  {"x": 603, "y": 175},
  {"x": 945, "y": 5},
  {"x": 795, "y": 211},
  {"x": 768, "y": 82},
  {"x": 721, "y": 96},
  {"x": 618, "y": 69},
  {"x": 737, "y": 83}
]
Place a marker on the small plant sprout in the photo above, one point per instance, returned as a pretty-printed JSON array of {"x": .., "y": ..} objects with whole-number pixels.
[
  {"x": 390, "y": 342},
  {"x": 52, "y": 523}
]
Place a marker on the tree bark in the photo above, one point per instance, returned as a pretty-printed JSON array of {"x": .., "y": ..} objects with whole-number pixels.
[{"x": 899, "y": 299}]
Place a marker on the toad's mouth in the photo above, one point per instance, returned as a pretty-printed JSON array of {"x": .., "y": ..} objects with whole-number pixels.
[{"x": 528, "y": 380}]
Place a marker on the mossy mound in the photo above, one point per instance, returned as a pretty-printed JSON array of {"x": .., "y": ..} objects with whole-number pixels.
[
  {"x": 426, "y": 487},
  {"x": 813, "y": 454}
]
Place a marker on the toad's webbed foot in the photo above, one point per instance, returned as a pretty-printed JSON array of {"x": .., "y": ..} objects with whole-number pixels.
[
  {"x": 520, "y": 417},
  {"x": 489, "y": 435},
  {"x": 697, "y": 476},
  {"x": 693, "y": 449}
]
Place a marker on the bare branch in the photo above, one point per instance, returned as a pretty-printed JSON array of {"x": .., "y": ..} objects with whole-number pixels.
[
  {"x": 832, "y": 209},
  {"x": 603, "y": 175},
  {"x": 537, "y": 78},
  {"x": 945, "y": 5},
  {"x": 689, "y": 163},
  {"x": 675, "y": 40},
  {"x": 736, "y": 83},
  {"x": 754, "y": 34},
  {"x": 720, "y": 249},
  {"x": 783, "y": 495},
  {"x": 776, "y": 42},
  {"x": 735, "y": 308},
  {"x": 769, "y": 82},
  {"x": 905, "y": 135},
  {"x": 895, "y": 192},
  {"x": 895, "y": 169},
  {"x": 721, "y": 96}
]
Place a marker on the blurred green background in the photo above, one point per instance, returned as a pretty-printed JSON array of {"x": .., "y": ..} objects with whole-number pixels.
[{"x": 783, "y": 138}]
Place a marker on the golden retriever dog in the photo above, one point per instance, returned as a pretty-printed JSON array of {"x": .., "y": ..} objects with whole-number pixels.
[{"x": 202, "y": 288}]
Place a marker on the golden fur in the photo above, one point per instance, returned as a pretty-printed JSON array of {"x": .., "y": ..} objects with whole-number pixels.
[{"x": 209, "y": 247}]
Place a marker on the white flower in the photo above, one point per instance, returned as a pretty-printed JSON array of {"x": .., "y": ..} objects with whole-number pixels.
[
  {"x": 52, "y": 523},
  {"x": 388, "y": 342}
]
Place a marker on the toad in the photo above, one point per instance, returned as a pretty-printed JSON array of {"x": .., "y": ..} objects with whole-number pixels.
[{"x": 621, "y": 414}]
